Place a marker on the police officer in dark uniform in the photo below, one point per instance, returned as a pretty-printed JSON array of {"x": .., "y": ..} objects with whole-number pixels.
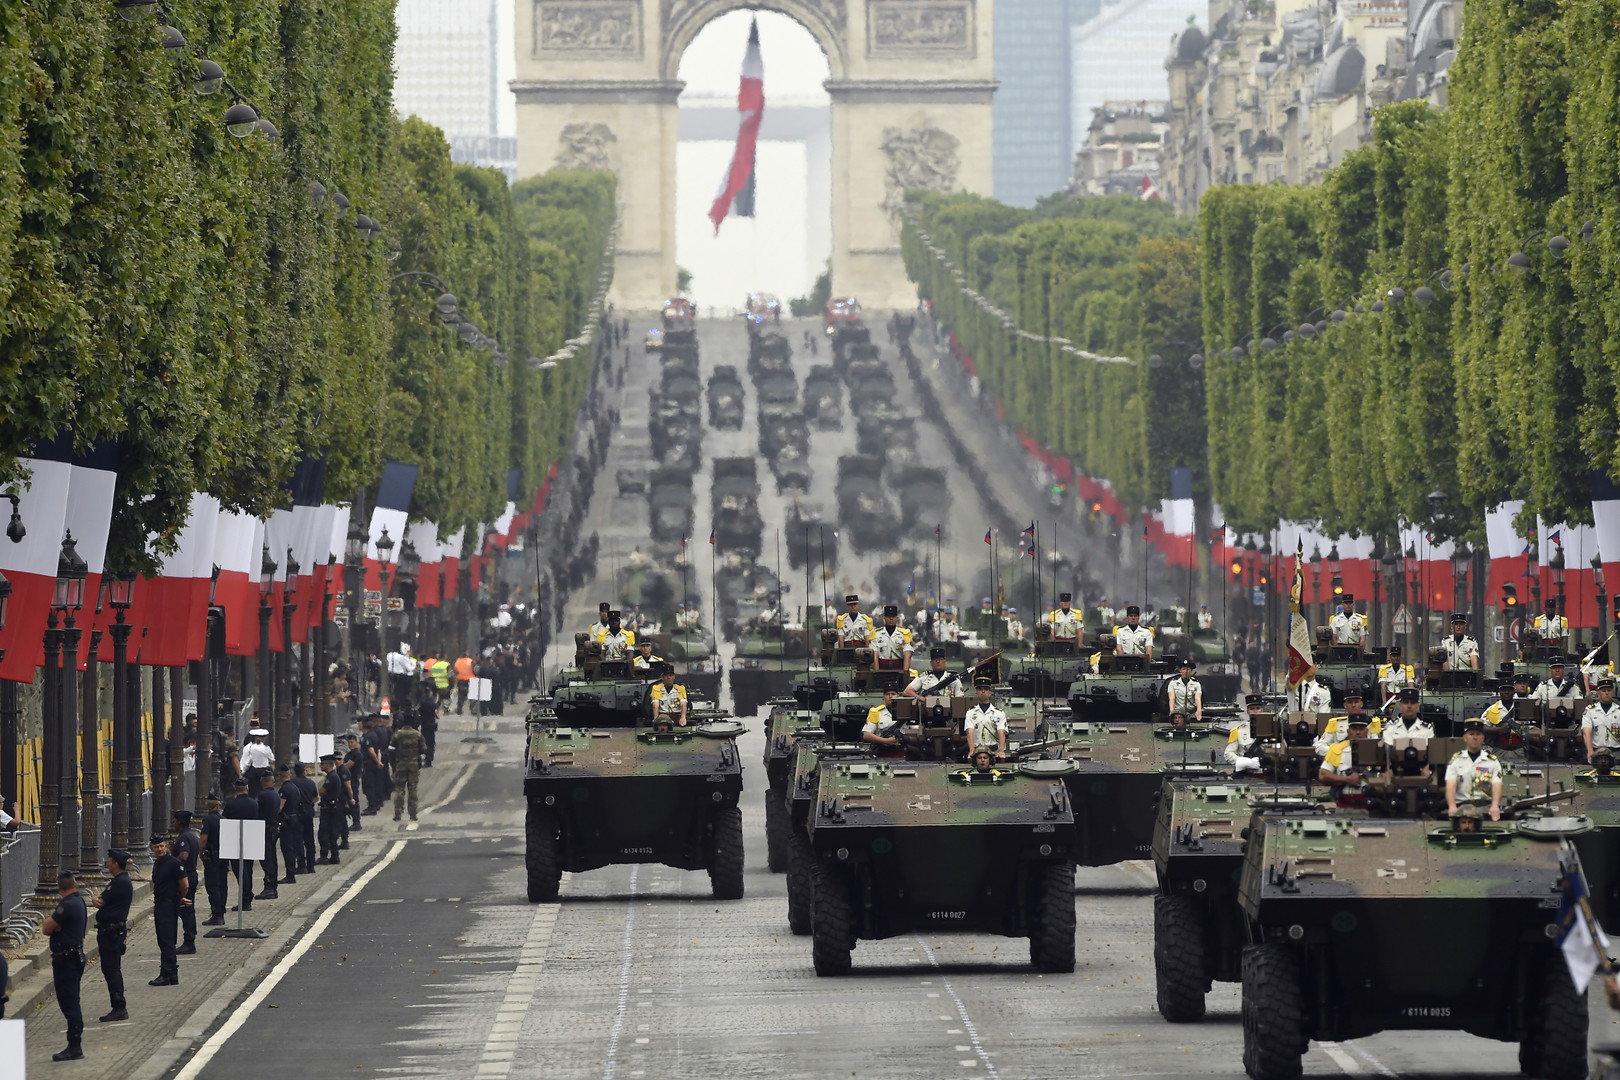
[
  {"x": 292, "y": 837},
  {"x": 270, "y": 807},
  {"x": 246, "y": 808},
  {"x": 169, "y": 894},
  {"x": 112, "y": 928},
  {"x": 353, "y": 765},
  {"x": 66, "y": 929},
  {"x": 332, "y": 810},
  {"x": 308, "y": 793},
  {"x": 215, "y": 873},
  {"x": 427, "y": 716},
  {"x": 188, "y": 849}
]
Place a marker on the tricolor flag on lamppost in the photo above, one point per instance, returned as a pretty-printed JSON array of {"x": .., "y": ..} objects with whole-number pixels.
[{"x": 737, "y": 186}]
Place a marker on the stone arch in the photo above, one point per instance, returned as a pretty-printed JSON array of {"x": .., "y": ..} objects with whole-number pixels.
[{"x": 822, "y": 18}]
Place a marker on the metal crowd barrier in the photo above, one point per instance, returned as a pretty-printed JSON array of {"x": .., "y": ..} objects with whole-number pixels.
[{"x": 19, "y": 870}]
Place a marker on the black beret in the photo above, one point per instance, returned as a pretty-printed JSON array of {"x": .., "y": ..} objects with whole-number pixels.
[
  {"x": 1187, "y": 661},
  {"x": 182, "y": 816},
  {"x": 1457, "y": 616},
  {"x": 241, "y": 782},
  {"x": 118, "y": 855},
  {"x": 937, "y": 653},
  {"x": 604, "y": 606},
  {"x": 328, "y": 757},
  {"x": 1347, "y": 598}
]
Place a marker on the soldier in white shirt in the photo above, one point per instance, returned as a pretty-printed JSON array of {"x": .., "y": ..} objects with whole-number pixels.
[
  {"x": 1347, "y": 626},
  {"x": 1106, "y": 611},
  {"x": 616, "y": 641},
  {"x": 1550, "y": 626},
  {"x": 1462, "y": 651},
  {"x": 1473, "y": 772},
  {"x": 1133, "y": 639},
  {"x": 891, "y": 642},
  {"x": 1015, "y": 628},
  {"x": 1600, "y": 724},
  {"x": 947, "y": 629},
  {"x": 1406, "y": 724},
  {"x": 930, "y": 687},
  {"x": 257, "y": 757},
  {"x": 1338, "y": 728},
  {"x": 1240, "y": 737},
  {"x": 1185, "y": 693},
  {"x": 1205, "y": 619},
  {"x": 1395, "y": 676},
  {"x": 1065, "y": 621},
  {"x": 878, "y": 718},
  {"x": 985, "y": 723},
  {"x": 601, "y": 620},
  {"x": 854, "y": 628},
  {"x": 1559, "y": 683},
  {"x": 646, "y": 661},
  {"x": 1312, "y": 696}
]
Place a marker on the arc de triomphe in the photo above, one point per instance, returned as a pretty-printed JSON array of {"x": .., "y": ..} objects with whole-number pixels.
[{"x": 911, "y": 83}]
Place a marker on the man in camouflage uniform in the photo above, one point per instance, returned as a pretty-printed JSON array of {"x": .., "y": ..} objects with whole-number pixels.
[{"x": 409, "y": 747}]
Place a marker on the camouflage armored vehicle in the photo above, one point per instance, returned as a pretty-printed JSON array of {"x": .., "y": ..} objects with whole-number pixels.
[
  {"x": 632, "y": 793},
  {"x": 1362, "y": 926},
  {"x": 909, "y": 846},
  {"x": 767, "y": 659},
  {"x": 1450, "y": 697},
  {"x": 864, "y": 507},
  {"x": 781, "y": 429},
  {"x": 735, "y": 500},
  {"x": 725, "y": 398},
  {"x": 823, "y": 398},
  {"x": 1120, "y": 769},
  {"x": 1341, "y": 666},
  {"x": 924, "y": 496},
  {"x": 787, "y": 728},
  {"x": 808, "y": 535},
  {"x": 765, "y": 346},
  {"x": 1051, "y": 670},
  {"x": 791, "y": 467},
  {"x": 800, "y": 796},
  {"x": 669, "y": 504},
  {"x": 631, "y": 481},
  {"x": 1123, "y": 687},
  {"x": 596, "y": 692}
]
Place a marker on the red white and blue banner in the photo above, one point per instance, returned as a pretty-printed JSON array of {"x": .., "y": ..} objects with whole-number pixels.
[{"x": 736, "y": 196}]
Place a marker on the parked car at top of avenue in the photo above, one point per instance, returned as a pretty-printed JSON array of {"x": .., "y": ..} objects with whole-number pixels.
[
  {"x": 762, "y": 309},
  {"x": 725, "y": 398},
  {"x": 680, "y": 321}
]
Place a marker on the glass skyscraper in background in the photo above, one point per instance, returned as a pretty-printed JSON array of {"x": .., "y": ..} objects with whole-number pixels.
[
  {"x": 1032, "y": 137},
  {"x": 450, "y": 68},
  {"x": 1117, "y": 53}
]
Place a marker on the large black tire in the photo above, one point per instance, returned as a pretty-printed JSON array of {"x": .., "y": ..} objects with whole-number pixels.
[
  {"x": 540, "y": 854},
  {"x": 1274, "y": 1035},
  {"x": 800, "y": 884},
  {"x": 1554, "y": 1045},
  {"x": 777, "y": 830},
  {"x": 832, "y": 920},
  {"x": 726, "y": 853},
  {"x": 1051, "y": 938},
  {"x": 1178, "y": 958}
]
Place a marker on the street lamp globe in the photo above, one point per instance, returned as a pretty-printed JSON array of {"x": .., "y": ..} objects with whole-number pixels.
[
  {"x": 267, "y": 572},
  {"x": 71, "y": 572}
]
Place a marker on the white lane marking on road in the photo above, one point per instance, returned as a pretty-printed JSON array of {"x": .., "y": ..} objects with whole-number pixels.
[
  {"x": 1342, "y": 1059},
  {"x": 1378, "y": 1066},
  {"x": 206, "y": 1052},
  {"x": 624, "y": 979},
  {"x": 501, "y": 1047},
  {"x": 961, "y": 1010},
  {"x": 455, "y": 789}
]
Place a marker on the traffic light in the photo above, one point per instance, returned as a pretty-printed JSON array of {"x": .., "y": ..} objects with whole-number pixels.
[
  {"x": 1510, "y": 596},
  {"x": 1237, "y": 568},
  {"x": 1338, "y": 585}
]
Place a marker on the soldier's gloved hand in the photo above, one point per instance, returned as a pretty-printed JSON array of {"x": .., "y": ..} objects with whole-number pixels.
[{"x": 1247, "y": 764}]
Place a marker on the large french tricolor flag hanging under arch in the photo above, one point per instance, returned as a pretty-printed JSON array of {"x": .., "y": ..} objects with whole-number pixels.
[{"x": 736, "y": 195}]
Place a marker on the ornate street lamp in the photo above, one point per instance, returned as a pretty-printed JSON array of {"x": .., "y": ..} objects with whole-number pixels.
[{"x": 267, "y": 689}]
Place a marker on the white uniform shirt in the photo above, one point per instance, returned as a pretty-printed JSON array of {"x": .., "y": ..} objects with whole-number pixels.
[
  {"x": 1459, "y": 654},
  {"x": 947, "y": 630},
  {"x": 1066, "y": 625},
  {"x": 891, "y": 645},
  {"x": 854, "y": 630},
  {"x": 1238, "y": 737},
  {"x": 985, "y": 721},
  {"x": 257, "y": 756},
  {"x": 1347, "y": 629},
  {"x": 1205, "y": 620},
  {"x": 616, "y": 646},
  {"x": 596, "y": 629},
  {"x": 1132, "y": 640},
  {"x": 1555, "y": 628},
  {"x": 1396, "y": 677},
  {"x": 401, "y": 664},
  {"x": 930, "y": 678},
  {"x": 878, "y": 718},
  {"x": 1604, "y": 724},
  {"x": 1546, "y": 690},
  {"x": 1474, "y": 773},
  {"x": 1183, "y": 695},
  {"x": 1397, "y": 727},
  {"x": 1314, "y": 697},
  {"x": 648, "y": 663}
]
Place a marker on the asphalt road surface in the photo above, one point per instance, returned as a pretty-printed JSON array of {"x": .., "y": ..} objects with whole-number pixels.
[{"x": 431, "y": 962}]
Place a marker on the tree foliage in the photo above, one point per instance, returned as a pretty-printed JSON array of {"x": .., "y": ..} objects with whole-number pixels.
[{"x": 172, "y": 288}]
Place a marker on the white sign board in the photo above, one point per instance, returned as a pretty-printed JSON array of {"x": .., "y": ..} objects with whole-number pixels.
[
  {"x": 314, "y": 747},
  {"x": 479, "y": 690},
  {"x": 241, "y": 839},
  {"x": 14, "y": 1049}
]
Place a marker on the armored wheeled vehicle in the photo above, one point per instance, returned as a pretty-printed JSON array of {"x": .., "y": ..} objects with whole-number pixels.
[
  {"x": 809, "y": 752},
  {"x": 781, "y": 428},
  {"x": 767, "y": 659},
  {"x": 1450, "y": 697},
  {"x": 787, "y": 728},
  {"x": 1051, "y": 670},
  {"x": 808, "y": 535},
  {"x": 597, "y": 692},
  {"x": 823, "y": 395},
  {"x": 1342, "y": 666},
  {"x": 924, "y": 496},
  {"x": 792, "y": 469},
  {"x": 632, "y": 792},
  {"x": 767, "y": 345},
  {"x": 725, "y": 398},
  {"x": 1122, "y": 688},
  {"x": 679, "y": 321},
  {"x": 669, "y": 504},
  {"x": 906, "y": 846},
  {"x": 735, "y": 500},
  {"x": 631, "y": 481},
  {"x": 778, "y": 388},
  {"x": 1362, "y": 926},
  {"x": 864, "y": 507}
]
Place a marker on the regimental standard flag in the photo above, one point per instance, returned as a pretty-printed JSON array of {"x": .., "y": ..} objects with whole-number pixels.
[
  {"x": 987, "y": 535},
  {"x": 1580, "y": 938},
  {"x": 736, "y": 194},
  {"x": 1299, "y": 637}
]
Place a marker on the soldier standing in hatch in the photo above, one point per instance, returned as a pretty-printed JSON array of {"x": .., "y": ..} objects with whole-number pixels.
[
  {"x": 1066, "y": 622},
  {"x": 1474, "y": 771},
  {"x": 1395, "y": 676},
  {"x": 616, "y": 641},
  {"x": 112, "y": 929},
  {"x": 928, "y": 684},
  {"x": 1600, "y": 724},
  {"x": 65, "y": 928},
  {"x": 1133, "y": 639},
  {"x": 1346, "y": 626},
  {"x": 409, "y": 747},
  {"x": 985, "y": 723},
  {"x": 854, "y": 628},
  {"x": 891, "y": 642},
  {"x": 1185, "y": 693},
  {"x": 1461, "y": 651},
  {"x": 669, "y": 699}
]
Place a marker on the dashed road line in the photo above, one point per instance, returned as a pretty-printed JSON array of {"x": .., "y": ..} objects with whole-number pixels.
[
  {"x": 501, "y": 1046},
  {"x": 624, "y": 979},
  {"x": 961, "y": 1010}
]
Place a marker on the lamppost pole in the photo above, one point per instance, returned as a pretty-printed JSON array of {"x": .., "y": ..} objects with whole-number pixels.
[
  {"x": 283, "y": 741},
  {"x": 120, "y": 742},
  {"x": 50, "y": 863},
  {"x": 207, "y": 717},
  {"x": 385, "y": 575},
  {"x": 68, "y": 719},
  {"x": 267, "y": 690},
  {"x": 354, "y": 566},
  {"x": 322, "y": 721},
  {"x": 89, "y": 759}
]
